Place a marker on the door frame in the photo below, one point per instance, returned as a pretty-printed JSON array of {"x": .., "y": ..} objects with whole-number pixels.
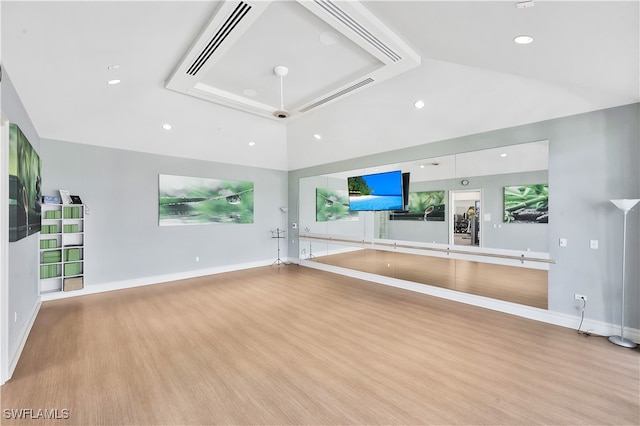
[{"x": 452, "y": 212}]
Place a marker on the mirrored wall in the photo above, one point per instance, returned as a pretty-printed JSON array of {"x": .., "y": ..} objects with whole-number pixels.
[{"x": 464, "y": 216}]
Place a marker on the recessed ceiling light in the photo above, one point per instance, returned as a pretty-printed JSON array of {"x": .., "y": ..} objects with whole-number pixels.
[
  {"x": 317, "y": 136},
  {"x": 252, "y": 143},
  {"x": 166, "y": 126},
  {"x": 523, "y": 39},
  {"x": 503, "y": 155},
  {"x": 113, "y": 67},
  {"x": 112, "y": 82},
  {"x": 419, "y": 104},
  {"x": 422, "y": 166}
]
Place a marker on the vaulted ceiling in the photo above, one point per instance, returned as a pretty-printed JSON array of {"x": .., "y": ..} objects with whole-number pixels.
[{"x": 458, "y": 57}]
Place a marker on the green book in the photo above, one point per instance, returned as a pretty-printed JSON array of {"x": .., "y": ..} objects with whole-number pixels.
[
  {"x": 72, "y": 254},
  {"x": 72, "y": 269}
]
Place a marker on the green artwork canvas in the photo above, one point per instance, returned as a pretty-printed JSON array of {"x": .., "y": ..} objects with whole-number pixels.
[
  {"x": 424, "y": 205},
  {"x": 333, "y": 204},
  {"x": 526, "y": 203},
  {"x": 194, "y": 201},
  {"x": 25, "y": 192}
]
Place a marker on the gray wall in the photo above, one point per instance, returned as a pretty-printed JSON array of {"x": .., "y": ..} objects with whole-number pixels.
[
  {"x": 23, "y": 254},
  {"x": 593, "y": 157},
  {"x": 122, "y": 238},
  {"x": 512, "y": 236}
]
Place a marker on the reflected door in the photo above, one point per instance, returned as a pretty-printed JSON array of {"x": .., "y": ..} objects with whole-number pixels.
[{"x": 465, "y": 218}]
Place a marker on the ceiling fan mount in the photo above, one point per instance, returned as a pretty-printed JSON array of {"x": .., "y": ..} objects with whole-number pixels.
[{"x": 281, "y": 71}]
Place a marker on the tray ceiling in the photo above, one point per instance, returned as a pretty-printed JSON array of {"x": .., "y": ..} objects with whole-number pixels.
[{"x": 331, "y": 50}]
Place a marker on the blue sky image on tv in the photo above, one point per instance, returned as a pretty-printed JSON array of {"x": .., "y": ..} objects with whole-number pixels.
[{"x": 379, "y": 191}]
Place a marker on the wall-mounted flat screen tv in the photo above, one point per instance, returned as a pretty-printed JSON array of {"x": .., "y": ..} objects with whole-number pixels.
[{"x": 379, "y": 191}]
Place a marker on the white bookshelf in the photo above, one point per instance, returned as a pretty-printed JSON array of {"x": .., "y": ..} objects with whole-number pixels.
[{"x": 62, "y": 247}]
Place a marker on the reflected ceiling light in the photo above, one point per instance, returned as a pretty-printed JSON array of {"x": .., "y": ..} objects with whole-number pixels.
[
  {"x": 422, "y": 166},
  {"x": 252, "y": 143},
  {"x": 503, "y": 155},
  {"x": 419, "y": 104},
  {"x": 317, "y": 136},
  {"x": 523, "y": 39},
  {"x": 166, "y": 126},
  {"x": 112, "y": 82}
]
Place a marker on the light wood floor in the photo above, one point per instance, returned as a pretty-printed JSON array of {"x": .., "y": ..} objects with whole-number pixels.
[
  {"x": 518, "y": 285},
  {"x": 293, "y": 345}
]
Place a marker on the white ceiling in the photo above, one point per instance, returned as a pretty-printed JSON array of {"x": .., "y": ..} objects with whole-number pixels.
[
  {"x": 333, "y": 49},
  {"x": 472, "y": 76}
]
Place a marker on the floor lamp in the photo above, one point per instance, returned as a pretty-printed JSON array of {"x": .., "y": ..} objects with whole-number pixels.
[{"x": 625, "y": 205}]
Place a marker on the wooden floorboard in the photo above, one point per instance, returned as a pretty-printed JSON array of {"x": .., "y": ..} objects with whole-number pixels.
[
  {"x": 524, "y": 286},
  {"x": 293, "y": 345}
]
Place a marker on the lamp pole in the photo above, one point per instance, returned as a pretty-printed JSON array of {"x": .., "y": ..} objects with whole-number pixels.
[{"x": 625, "y": 205}]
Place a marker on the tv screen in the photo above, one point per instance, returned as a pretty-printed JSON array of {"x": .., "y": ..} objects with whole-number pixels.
[{"x": 379, "y": 191}]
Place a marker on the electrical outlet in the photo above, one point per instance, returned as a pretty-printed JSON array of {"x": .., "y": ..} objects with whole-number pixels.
[
  {"x": 563, "y": 242},
  {"x": 580, "y": 297}
]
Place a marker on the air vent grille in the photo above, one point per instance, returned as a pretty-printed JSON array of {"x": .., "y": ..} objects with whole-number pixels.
[
  {"x": 223, "y": 32},
  {"x": 352, "y": 24},
  {"x": 337, "y": 94}
]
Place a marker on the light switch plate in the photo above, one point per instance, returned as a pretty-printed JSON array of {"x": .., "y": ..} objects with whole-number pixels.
[
  {"x": 563, "y": 242},
  {"x": 593, "y": 244}
]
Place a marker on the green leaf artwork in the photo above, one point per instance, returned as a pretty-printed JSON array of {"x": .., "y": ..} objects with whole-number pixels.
[
  {"x": 25, "y": 192},
  {"x": 193, "y": 201},
  {"x": 526, "y": 203},
  {"x": 429, "y": 203},
  {"x": 333, "y": 204},
  {"x": 426, "y": 206}
]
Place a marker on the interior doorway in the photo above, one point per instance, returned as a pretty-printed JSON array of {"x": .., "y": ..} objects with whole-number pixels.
[{"x": 464, "y": 218}]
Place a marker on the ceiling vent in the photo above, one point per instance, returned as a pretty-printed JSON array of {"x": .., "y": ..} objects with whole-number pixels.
[
  {"x": 230, "y": 62},
  {"x": 221, "y": 35},
  {"x": 332, "y": 9},
  {"x": 337, "y": 95}
]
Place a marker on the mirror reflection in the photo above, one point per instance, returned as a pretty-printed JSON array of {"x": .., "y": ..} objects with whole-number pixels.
[
  {"x": 457, "y": 199},
  {"x": 491, "y": 200}
]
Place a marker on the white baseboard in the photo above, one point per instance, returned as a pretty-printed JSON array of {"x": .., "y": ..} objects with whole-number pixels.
[
  {"x": 155, "y": 279},
  {"x": 15, "y": 355},
  {"x": 537, "y": 314}
]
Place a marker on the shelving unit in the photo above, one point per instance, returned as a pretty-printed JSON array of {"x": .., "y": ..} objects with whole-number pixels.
[{"x": 62, "y": 247}]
